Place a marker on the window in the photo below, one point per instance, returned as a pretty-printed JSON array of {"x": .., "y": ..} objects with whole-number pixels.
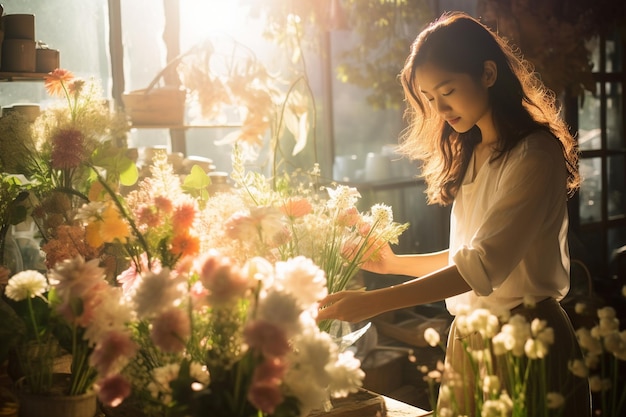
[{"x": 601, "y": 203}]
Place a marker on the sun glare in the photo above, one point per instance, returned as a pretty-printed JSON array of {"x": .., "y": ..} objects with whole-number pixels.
[{"x": 205, "y": 18}]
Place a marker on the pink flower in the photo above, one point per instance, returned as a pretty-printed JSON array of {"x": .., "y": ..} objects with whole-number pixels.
[
  {"x": 113, "y": 390},
  {"x": 170, "y": 330},
  {"x": 348, "y": 217},
  {"x": 130, "y": 278},
  {"x": 270, "y": 371},
  {"x": 265, "y": 397},
  {"x": 112, "y": 352},
  {"x": 270, "y": 339},
  {"x": 224, "y": 280}
]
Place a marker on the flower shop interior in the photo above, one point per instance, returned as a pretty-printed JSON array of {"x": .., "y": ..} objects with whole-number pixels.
[{"x": 163, "y": 106}]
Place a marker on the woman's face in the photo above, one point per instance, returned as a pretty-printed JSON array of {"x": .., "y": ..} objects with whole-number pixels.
[{"x": 456, "y": 97}]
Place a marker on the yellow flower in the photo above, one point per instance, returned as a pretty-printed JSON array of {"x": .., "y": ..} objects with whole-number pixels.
[{"x": 113, "y": 225}]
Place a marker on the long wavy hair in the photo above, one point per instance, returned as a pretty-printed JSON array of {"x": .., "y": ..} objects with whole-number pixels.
[{"x": 520, "y": 104}]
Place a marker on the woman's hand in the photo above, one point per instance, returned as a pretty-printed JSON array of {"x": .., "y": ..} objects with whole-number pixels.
[
  {"x": 351, "y": 306},
  {"x": 380, "y": 261}
]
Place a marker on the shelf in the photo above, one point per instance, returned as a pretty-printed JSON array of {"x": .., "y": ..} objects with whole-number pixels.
[{"x": 22, "y": 76}]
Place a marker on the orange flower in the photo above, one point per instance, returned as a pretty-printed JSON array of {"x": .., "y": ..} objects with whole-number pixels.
[
  {"x": 295, "y": 208},
  {"x": 184, "y": 244},
  {"x": 55, "y": 82},
  {"x": 183, "y": 216},
  {"x": 92, "y": 235}
]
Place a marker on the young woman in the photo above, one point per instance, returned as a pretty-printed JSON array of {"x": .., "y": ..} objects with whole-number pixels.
[{"x": 495, "y": 147}]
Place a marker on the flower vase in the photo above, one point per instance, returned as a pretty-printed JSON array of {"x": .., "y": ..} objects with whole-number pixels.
[
  {"x": 11, "y": 256},
  {"x": 57, "y": 404}
]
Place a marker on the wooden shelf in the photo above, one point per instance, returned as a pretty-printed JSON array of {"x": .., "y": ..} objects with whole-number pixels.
[{"x": 22, "y": 76}]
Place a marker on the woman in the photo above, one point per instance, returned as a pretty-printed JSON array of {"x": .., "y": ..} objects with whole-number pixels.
[{"x": 494, "y": 146}]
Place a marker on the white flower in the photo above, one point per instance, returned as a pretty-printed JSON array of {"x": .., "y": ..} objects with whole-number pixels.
[
  {"x": 491, "y": 384},
  {"x": 156, "y": 292},
  {"x": 345, "y": 375},
  {"x": 382, "y": 215},
  {"x": 481, "y": 320},
  {"x": 529, "y": 301},
  {"x": 519, "y": 329},
  {"x": 580, "y": 308},
  {"x": 281, "y": 309},
  {"x": 535, "y": 349},
  {"x": 432, "y": 336},
  {"x": 342, "y": 197},
  {"x": 200, "y": 373},
  {"x": 26, "y": 284},
  {"x": 160, "y": 386},
  {"x": 578, "y": 368},
  {"x": 555, "y": 400},
  {"x": 494, "y": 408},
  {"x": 302, "y": 278}
]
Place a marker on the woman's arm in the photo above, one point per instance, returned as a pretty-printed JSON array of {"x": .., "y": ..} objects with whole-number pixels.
[
  {"x": 413, "y": 265},
  {"x": 355, "y": 306}
]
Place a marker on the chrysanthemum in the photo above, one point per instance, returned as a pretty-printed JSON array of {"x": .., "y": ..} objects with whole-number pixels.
[
  {"x": 301, "y": 277},
  {"x": 56, "y": 81},
  {"x": 26, "y": 284}
]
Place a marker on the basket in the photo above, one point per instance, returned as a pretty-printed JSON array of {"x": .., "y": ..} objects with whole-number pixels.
[{"x": 156, "y": 106}]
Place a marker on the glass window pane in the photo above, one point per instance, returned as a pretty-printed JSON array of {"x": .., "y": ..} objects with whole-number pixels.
[
  {"x": 617, "y": 250},
  {"x": 614, "y": 116},
  {"x": 589, "y": 132},
  {"x": 614, "y": 53},
  {"x": 616, "y": 186},
  {"x": 591, "y": 190}
]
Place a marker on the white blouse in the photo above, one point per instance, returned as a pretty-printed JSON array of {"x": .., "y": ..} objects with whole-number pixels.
[{"x": 508, "y": 230}]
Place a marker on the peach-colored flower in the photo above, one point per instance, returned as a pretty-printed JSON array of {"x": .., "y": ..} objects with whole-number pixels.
[
  {"x": 56, "y": 80},
  {"x": 348, "y": 217},
  {"x": 296, "y": 207},
  {"x": 170, "y": 330},
  {"x": 68, "y": 149}
]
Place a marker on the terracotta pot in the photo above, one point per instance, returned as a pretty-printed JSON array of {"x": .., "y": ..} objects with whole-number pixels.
[{"x": 57, "y": 404}]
